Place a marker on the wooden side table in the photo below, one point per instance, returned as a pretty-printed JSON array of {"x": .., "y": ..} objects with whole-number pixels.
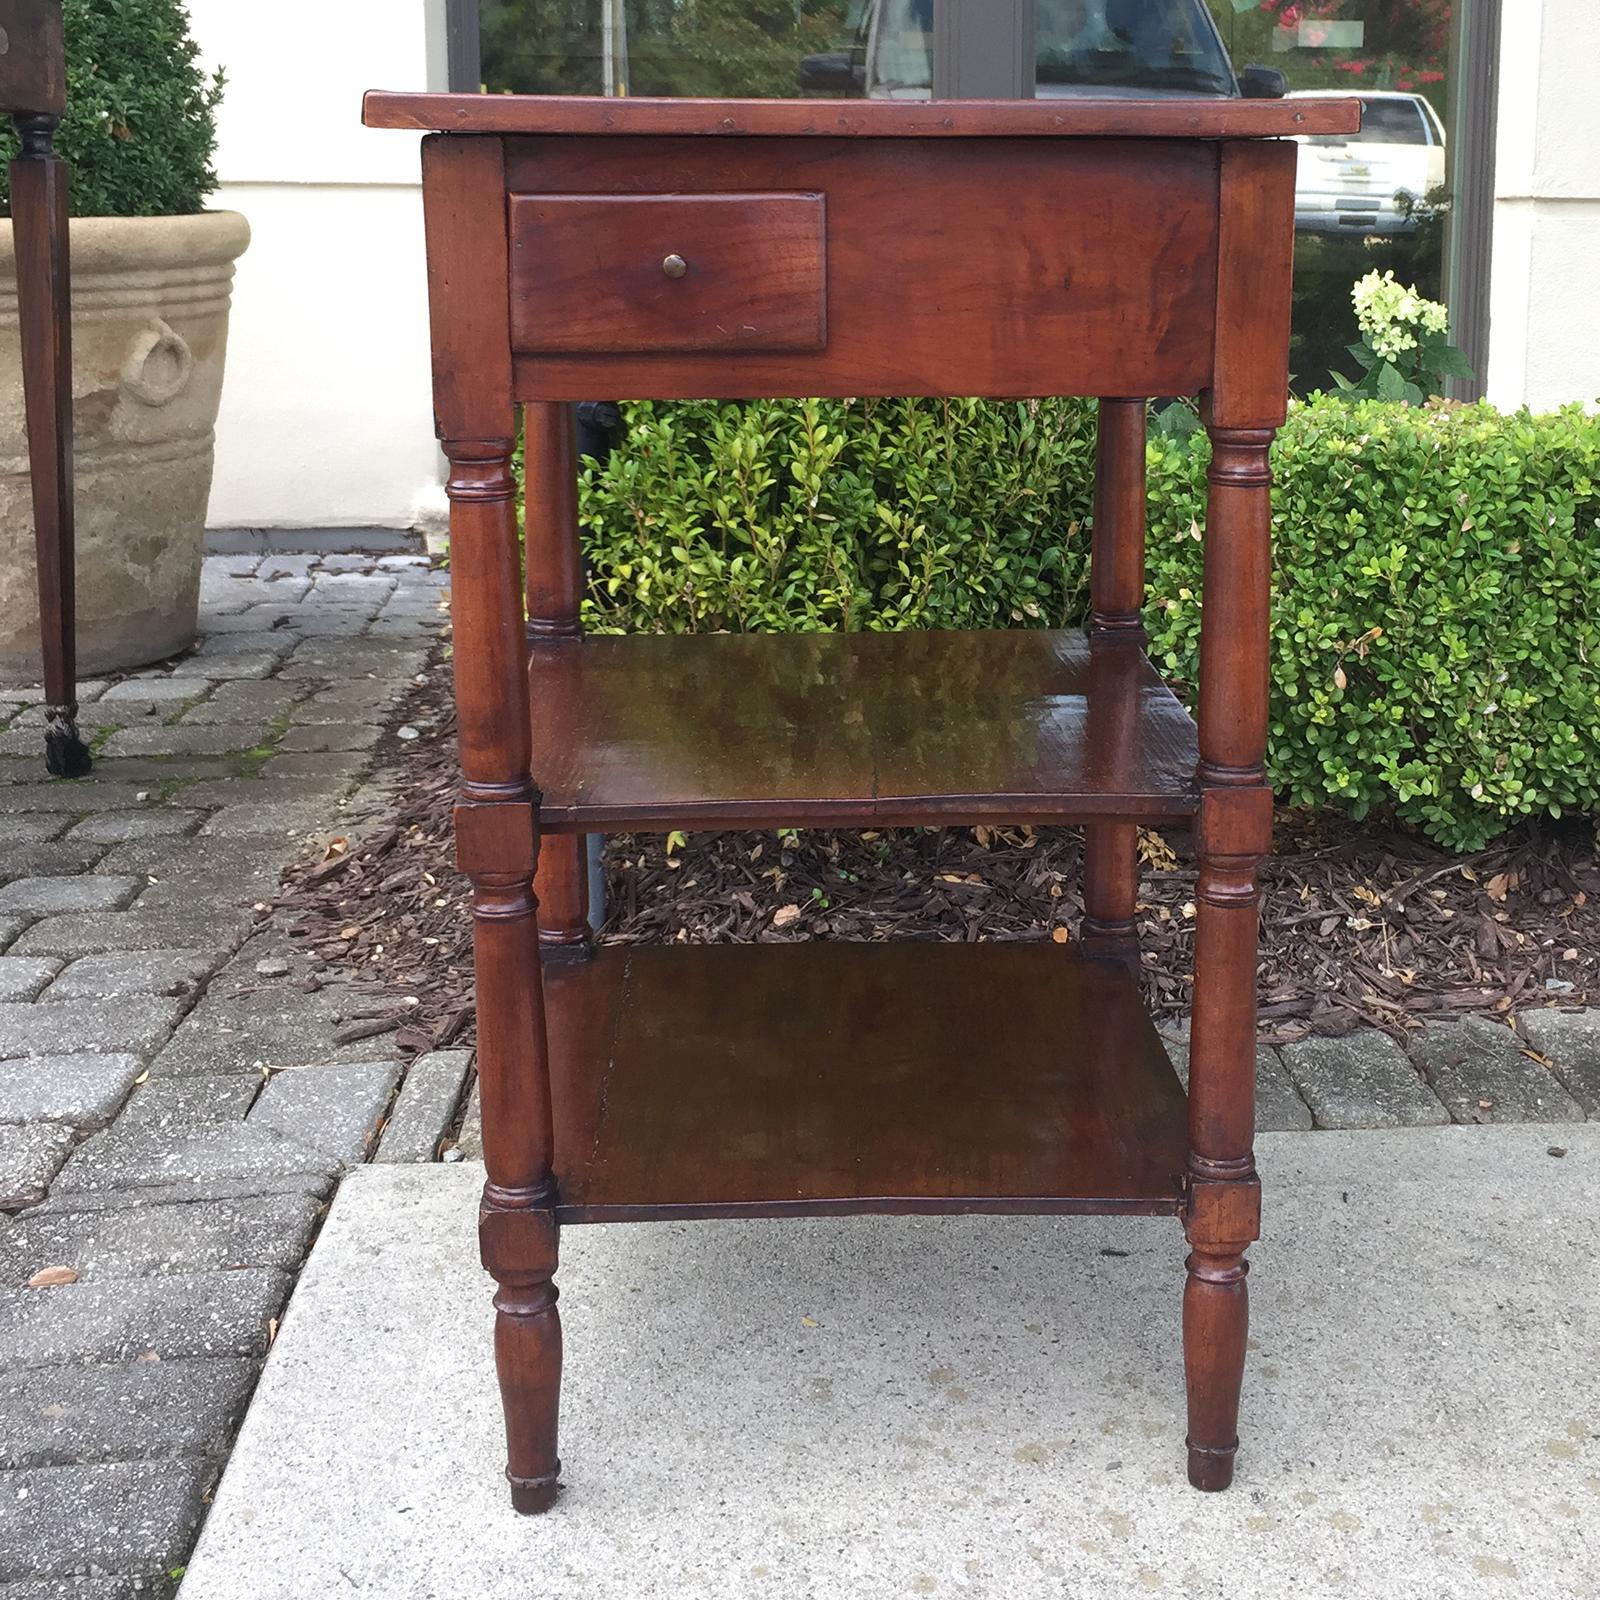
[{"x": 676, "y": 249}]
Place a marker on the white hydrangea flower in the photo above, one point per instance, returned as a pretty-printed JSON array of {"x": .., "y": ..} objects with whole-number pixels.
[{"x": 1389, "y": 312}]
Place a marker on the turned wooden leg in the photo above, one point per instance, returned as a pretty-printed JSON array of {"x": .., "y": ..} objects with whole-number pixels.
[
  {"x": 497, "y": 815},
  {"x": 553, "y": 581},
  {"x": 527, "y": 1353},
  {"x": 497, "y": 846},
  {"x": 1110, "y": 892},
  {"x": 1246, "y": 403},
  {"x": 1110, "y": 849},
  {"x": 1216, "y": 1321},
  {"x": 517, "y": 1231},
  {"x": 519, "y": 1246},
  {"x": 1222, "y": 1214},
  {"x": 562, "y": 889}
]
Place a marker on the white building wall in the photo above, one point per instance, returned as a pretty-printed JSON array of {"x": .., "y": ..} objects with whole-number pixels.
[
  {"x": 1544, "y": 350},
  {"x": 326, "y": 416}
]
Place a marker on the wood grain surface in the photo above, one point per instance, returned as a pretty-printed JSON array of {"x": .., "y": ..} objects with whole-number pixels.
[
  {"x": 1089, "y": 118},
  {"x": 758, "y": 730},
  {"x": 831, "y": 1078},
  {"x": 928, "y": 292},
  {"x": 591, "y": 272}
]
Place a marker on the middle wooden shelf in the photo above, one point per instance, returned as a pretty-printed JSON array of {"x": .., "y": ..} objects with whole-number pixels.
[{"x": 656, "y": 732}]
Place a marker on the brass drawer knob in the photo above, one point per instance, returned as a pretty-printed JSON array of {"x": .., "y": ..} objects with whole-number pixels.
[{"x": 674, "y": 266}]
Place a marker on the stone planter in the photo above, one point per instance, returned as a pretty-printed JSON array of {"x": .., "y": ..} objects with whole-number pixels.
[{"x": 149, "y": 330}]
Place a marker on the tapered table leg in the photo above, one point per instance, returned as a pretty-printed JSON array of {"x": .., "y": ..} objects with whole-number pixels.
[
  {"x": 39, "y": 187},
  {"x": 497, "y": 815},
  {"x": 497, "y": 844},
  {"x": 1245, "y": 405}
]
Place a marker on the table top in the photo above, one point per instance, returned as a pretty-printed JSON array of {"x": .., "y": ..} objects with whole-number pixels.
[{"x": 1090, "y": 117}]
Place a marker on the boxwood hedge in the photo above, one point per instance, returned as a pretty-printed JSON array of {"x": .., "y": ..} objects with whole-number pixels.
[{"x": 1436, "y": 653}]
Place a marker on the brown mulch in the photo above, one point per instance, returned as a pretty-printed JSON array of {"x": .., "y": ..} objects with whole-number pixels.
[{"x": 1363, "y": 925}]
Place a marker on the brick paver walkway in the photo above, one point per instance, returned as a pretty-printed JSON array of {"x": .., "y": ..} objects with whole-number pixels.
[{"x": 174, "y": 1114}]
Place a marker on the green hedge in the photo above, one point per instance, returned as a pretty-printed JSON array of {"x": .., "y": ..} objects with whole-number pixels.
[
  {"x": 808, "y": 515},
  {"x": 1435, "y": 651}
]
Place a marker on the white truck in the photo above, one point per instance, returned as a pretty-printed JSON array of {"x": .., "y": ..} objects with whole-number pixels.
[{"x": 1370, "y": 182}]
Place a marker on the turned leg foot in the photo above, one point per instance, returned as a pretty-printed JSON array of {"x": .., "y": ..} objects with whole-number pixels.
[
  {"x": 1216, "y": 1320},
  {"x": 531, "y": 1496},
  {"x": 519, "y": 1248},
  {"x": 527, "y": 1354}
]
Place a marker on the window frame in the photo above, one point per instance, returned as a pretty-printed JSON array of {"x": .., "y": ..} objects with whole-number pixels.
[{"x": 1469, "y": 241}]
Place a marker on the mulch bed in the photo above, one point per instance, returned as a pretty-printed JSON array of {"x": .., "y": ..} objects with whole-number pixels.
[{"x": 1363, "y": 925}]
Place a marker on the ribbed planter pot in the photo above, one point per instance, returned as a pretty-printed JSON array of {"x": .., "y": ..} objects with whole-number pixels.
[{"x": 149, "y": 333}]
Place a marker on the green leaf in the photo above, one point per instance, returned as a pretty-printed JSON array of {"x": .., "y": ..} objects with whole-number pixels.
[
  {"x": 140, "y": 127},
  {"x": 1391, "y": 385},
  {"x": 1451, "y": 363}
]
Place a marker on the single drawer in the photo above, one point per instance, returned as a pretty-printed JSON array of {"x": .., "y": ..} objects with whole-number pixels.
[{"x": 635, "y": 273}]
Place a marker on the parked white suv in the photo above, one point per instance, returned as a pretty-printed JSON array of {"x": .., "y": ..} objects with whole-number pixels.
[{"x": 1353, "y": 183}]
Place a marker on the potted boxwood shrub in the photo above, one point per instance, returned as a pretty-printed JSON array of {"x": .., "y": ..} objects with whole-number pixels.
[{"x": 152, "y": 273}]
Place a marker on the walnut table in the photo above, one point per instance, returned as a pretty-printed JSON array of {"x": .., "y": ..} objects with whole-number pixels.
[{"x": 677, "y": 249}]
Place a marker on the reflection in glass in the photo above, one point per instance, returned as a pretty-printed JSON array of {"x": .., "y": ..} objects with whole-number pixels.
[
  {"x": 887, "y": 54},
  {"x": 1129, "y": 47},
  {"x": 1374, "y": 181},
  {"x": 1380, "y": 199},
  {"x": 707, "y": 48}
]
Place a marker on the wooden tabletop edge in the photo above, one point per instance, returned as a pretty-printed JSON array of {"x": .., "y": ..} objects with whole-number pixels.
[{"x": 1086, "y": 118}]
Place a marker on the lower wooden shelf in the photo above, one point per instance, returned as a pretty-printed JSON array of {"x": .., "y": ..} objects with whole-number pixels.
[{"x": 829, "y": 1078}]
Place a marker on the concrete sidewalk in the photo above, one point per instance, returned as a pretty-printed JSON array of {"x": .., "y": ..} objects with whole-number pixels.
[{"x": 984, "y": 1407}]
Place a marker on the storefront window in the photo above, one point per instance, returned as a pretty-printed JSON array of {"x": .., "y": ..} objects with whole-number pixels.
[{"x": 1379, "y": 199}]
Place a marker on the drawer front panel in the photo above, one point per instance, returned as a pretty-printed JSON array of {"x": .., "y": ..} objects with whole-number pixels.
[
  {"x": 954, "y": 267},
  {"x": 684, "y": 272}
]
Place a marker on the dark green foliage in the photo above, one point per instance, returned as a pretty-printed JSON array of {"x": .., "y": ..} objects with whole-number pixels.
[
  {"x": 1434, "y": 636},
  {"x": 800, "y": 516},
  {"x": 728, "y": 47},
  {"x": 1435, "y": 643},
  {"x": 140, "y": 129},
  {"x": 710, "y": 48},
  {"x": 539, "y": 46}
]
